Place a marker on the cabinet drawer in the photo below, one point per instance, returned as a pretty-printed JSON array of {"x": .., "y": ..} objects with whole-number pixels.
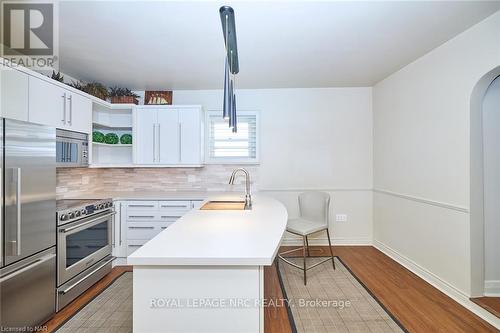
[
  {"x": 141, "y": 230},
  {"x": 170, "y": 216},
  {"x": 134, "y": 244},
  {"x": 175, "y": 205},
  {"x": 142, "y": 216},
  {"x": 142, "y": 205}
]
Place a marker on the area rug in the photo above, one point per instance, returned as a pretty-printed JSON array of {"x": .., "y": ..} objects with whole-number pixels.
[
  {"x": 332, "y": 301},
  {"x": 110, "y": 311}
]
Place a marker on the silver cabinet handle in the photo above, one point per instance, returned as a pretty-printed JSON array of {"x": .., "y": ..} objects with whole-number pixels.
[
  {"x": 120, "y": 234},
  {"x": 141, "y": 217},
  {"x": 141, "y": 227},
  {"x": 86, "y": 223},
  {"x": 64, "y": 109},
  {"x": 159, "y": 143},
  {"x": 163, "y": 228},
  {"x": 18, "y": 177},
  {"x": 180, "y": 142},
  {"x": 151, "y": 206},
  {"x": 113, "y": 231},
  {"x": 67, "y": 290},
  {"x": 27, "y": 268},
  {"x": 170, "y": 216},
  {"x": 154, "y": 143},
  {"x": 70, "y": 120},
  {"x": 134, "y": 245},
  {"x": 174, "y": 206}
]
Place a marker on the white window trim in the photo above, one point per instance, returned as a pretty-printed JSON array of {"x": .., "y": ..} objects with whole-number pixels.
[{"x": 246, "y": 161}]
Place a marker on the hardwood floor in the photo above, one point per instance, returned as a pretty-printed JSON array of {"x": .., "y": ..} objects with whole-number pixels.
[
  {"x": 415, "y": 303},
  {"x": 492, "y": 304},
  {"x": 73, "y": 307}
]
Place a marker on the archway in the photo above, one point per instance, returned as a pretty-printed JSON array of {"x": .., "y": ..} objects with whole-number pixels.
[{"x": 480, "y": 196}]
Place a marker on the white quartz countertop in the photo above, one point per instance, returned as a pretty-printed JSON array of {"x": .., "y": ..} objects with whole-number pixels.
[{"x": 219, "y": 237}]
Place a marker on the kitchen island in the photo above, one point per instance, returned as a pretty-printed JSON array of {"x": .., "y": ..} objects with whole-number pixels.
[{"x": 205, "y": 272}]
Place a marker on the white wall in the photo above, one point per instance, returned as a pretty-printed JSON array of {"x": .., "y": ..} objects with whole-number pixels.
[
  {"x": 312, "y": 139},
  {"x": 421, "y": 156},
  {"x": 491, "y": 133}
]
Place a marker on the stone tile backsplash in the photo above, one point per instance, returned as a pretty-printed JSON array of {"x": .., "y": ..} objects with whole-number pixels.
[{"x": 74, "y": 181}]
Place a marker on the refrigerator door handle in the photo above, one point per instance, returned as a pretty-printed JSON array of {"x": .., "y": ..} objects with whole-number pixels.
[
  {"x": 18, "y": 177},
  {"x": 27, "y": 267}
]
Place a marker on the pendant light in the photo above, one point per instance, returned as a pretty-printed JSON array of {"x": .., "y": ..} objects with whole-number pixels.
[{"x": 231, "y": 67}]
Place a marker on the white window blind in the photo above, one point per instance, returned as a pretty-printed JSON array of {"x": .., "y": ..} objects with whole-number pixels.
[{"x": 224, "y": 145}]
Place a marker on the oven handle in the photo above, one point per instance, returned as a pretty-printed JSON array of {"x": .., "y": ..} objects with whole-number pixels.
[
  {"x": 86, "y": 223},
  {"x": 67, "y": 290}
]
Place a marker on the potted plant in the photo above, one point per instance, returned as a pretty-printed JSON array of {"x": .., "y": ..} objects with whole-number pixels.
[
  {"x": 96, "y": 89},
  {"x": 122, "y": 96},
  {"x": 93, "y": 88},
  {"x": 57, "y": 76}
]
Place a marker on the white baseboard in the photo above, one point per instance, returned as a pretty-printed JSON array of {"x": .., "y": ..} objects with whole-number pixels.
[
  {"x": 492, "y": 288},
  {"x": 297, "y": 241},
  {"x": 437, "y": 282}
]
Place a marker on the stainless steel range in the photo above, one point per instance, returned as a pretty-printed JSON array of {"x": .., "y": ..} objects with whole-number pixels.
[{"x": 84, "y": 242}]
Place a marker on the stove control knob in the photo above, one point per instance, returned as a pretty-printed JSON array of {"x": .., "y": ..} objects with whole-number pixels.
[
  {"x": 63, "y": 217},
  {"x": 109, "y": 204},
  {"x": 77, "y": 213},
  {"x": 101, "y": 206},
  {"x": 83, "y": 212},
  {"x": 71, "y": 215}
]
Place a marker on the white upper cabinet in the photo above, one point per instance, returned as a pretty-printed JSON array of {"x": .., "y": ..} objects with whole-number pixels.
[
  {"x": 168, "y": 135},
  {"x": 14, "y": 93},
  {"x": 80, "y": 113},
  {"x": 190, "y": 129},
  {"x": 144, "y": 136},
  {"x": 47, "y": 103},
  {"x": 52, "y": 105}
]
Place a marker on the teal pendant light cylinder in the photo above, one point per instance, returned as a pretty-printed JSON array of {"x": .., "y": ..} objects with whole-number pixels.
[
  {"x": 234, "y": 122},
  {"x": 227, "y": 96}
]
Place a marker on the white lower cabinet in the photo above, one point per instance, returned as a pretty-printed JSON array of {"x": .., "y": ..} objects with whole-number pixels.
[{"x": 138, "y": 221}]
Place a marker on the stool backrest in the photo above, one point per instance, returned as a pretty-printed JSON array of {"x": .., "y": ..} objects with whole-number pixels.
[{"x": 314, "y": 206}]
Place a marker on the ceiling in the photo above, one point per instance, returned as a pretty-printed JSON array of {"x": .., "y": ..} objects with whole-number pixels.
[{"x": 179, "y": 44}]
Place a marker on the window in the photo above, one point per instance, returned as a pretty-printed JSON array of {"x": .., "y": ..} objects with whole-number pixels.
[{"x": 224, "y": 146}]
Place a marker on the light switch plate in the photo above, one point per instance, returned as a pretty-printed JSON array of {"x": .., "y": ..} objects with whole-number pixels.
[{"x": 341, "y": 217}]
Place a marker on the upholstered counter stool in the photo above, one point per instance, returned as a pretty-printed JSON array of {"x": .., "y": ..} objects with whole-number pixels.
[{"x": 313, "y": 210}]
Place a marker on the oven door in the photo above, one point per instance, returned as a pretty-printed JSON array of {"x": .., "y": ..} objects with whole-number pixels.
[{"x": 83, "y": 243}]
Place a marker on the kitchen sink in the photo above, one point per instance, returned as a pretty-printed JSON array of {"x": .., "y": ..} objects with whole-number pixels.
[{"x": 223, "y": 205}]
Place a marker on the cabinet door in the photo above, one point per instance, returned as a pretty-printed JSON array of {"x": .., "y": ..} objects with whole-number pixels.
[
  {"x": 168, "y": 133},
  {"x": 47, "y": 103},
  {"x": 145, "y": 140},
  {"x": 14, "y": 93},
  {"x": 79, "y": 113},
  {"x": 190, "y": 136}
]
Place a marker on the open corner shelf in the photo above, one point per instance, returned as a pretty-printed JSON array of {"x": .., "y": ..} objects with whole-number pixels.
[
  {"x": 111, "y": 145},
  {"x": 104, "y": 126}
]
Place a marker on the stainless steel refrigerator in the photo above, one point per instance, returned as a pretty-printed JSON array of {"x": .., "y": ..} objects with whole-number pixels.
[{"x": 28, "y": 228}]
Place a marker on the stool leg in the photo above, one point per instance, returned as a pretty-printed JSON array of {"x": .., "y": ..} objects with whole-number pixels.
[
  {"x": 304, "y": 252},
  {"x": 330, "y": 247},
  {"x": 307, "y": 243}
]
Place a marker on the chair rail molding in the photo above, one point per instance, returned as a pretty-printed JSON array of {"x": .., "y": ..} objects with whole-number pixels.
[{"x": 424, "y": 200}]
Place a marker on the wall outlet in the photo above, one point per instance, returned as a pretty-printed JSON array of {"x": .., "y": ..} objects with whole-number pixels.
[{"x": 341, "y": 217}]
